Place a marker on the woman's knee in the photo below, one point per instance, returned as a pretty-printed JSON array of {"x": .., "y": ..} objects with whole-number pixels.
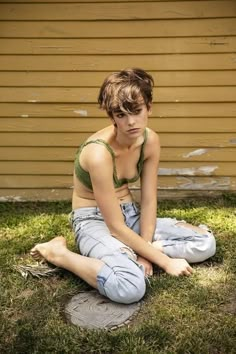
[
  {"x": 129, "y": 289},
  {"x": 204, "y": 249},
  {"x": 210, "y": 247},
  {"x": 125, "y": 282}
]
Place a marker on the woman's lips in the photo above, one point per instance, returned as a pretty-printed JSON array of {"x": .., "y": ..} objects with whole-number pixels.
[{"x": 133, "y": 130}]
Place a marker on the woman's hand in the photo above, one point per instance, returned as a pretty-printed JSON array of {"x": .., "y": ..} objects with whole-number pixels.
[
  {"x": 147, "y": 265},
  {"x": 177, "y": 267}
]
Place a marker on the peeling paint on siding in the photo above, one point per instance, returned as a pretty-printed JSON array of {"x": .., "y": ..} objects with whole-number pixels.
[
  {"x": 32, "y": 101},
  {"x": 24, "y": 115},
  {"x": 3, "y": 199},
  {"x": 211, "y": 183},
  {"x": 232, "y": 141},
  {"x": 207, "y": 170},
  {"x": 12, "y": 199},
  {"x": 192, "y": 171},
  {"x": 197, "y": 152},
  {"x": 81, "y": 112}
]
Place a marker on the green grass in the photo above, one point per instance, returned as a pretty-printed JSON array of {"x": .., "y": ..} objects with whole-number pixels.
[{"x": 179, "y": 315}]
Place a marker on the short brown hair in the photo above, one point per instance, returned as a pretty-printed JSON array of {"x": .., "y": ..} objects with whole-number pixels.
[{"x": 122, "y": 90}]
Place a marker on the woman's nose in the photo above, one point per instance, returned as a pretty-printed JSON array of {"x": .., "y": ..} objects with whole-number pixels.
[{"x": 131, "y": 119}]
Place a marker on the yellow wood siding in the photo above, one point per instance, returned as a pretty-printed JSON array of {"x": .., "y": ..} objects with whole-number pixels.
[{"x": 54, "y": 56}]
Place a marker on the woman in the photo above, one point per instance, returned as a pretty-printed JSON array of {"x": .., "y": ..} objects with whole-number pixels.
[{"x": 118, "y": 241}]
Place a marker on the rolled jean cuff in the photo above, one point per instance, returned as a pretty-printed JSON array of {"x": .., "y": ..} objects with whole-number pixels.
[{"x": 102, "y": 277}]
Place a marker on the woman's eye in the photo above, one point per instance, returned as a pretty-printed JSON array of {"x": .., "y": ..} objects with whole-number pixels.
[
  {"x": 121, "y": 115},
  {"x": 137, "y": 111}
]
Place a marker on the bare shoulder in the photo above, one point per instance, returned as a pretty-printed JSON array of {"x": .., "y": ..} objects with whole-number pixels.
[
  {"x": 153, "y": 142},
  {"x": 95, "y": 155},
  {"x": 152, "y": 137}
]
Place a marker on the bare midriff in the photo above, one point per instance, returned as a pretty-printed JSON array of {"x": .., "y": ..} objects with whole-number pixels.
[{"x": 84, "y": 198}]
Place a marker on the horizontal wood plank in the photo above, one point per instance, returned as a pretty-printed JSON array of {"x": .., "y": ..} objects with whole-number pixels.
[
  {"x": 118, "y": 46},
  {"x": 38, "y": 168},
  {"x": 34, "y": 181},
  {"x": 165, "y": 182},
  {"x": 38, "y": 153},
  {"x": 75, "y": 139},
  {"x": 89, "y": 79},
  {"x": 174, "y": 62},
  {"x": 168, "y": 154},
  {"x": 198, "y": 183},
  {"x": 88, "y": 1},
  {"x": 39, "y": 194},
  {"x": 55, "y": 194},
  {"x": 35, "y": 194},
  {"x": 89, "y": 95},
  {"x": 84, "y": 124},
  {"x": 117, "y": 11},
  {"x": 118, "y": 29},
  {"x": 176, "y": 109},
  {"x": 95, "y": 79},
  {"x": 200, "y": 154},
  {"x": 174, "y": 194},
  {"x": 190, "y": 168}
]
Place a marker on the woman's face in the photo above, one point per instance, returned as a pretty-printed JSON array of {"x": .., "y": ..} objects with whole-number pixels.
[{"x": 132, "y": 124}]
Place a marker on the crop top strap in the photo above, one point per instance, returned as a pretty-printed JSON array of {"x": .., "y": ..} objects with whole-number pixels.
[
  {"x": 101, "y": 142},
  {"x": 145, "y": 138}
]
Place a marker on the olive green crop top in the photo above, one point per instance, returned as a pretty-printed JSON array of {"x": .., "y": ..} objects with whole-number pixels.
[{"x": 84, "y": 176}]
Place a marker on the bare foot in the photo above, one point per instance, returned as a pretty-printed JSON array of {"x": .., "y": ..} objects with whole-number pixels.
[
  {"x": 157, "y": 245},
  {"x": 50, "y": 251}
]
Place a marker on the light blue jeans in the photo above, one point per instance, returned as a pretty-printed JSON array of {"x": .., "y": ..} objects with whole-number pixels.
[{"x": 121, "y": 278}]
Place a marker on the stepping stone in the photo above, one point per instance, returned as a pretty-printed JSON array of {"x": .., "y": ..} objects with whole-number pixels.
[{"x": 91, "y": 310}]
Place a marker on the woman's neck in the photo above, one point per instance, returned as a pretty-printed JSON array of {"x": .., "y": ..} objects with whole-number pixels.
[{"x": 123, "y": 142}]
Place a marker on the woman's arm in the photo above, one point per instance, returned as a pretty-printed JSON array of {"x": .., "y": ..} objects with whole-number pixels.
[
  {"x": 149, "y": 194},
  {"x": 149, "y": 187},
  {"x": 100, "y": 166}
]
